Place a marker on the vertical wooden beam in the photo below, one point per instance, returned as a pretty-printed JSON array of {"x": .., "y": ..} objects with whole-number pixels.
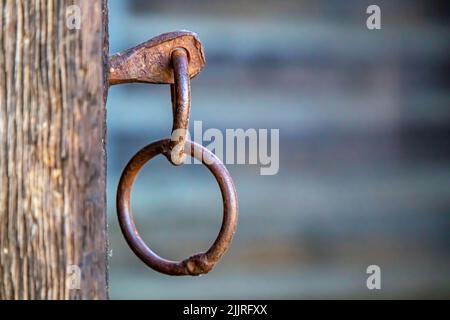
[{"x": 52, "y": 150}]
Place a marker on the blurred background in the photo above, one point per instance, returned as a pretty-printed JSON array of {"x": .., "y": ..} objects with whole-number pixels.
[{"x": 364, "y": 119}]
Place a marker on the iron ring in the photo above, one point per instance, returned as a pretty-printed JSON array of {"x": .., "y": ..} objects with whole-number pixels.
[{"x": 200, "y": 263}]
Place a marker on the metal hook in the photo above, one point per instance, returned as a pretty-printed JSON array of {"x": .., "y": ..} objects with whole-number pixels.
[
  {"x": 172, "y": 58},
  {"x": 181, "y": 104}
]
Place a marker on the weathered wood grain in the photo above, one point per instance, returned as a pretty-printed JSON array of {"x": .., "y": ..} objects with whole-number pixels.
[{"x": 52, "y": 150}]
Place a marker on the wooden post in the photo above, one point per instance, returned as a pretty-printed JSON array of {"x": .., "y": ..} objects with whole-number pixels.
[{"x": 52, "y": 150}]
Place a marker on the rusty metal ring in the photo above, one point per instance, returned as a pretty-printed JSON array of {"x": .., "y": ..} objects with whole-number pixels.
[{"x": 199, "y": 263}]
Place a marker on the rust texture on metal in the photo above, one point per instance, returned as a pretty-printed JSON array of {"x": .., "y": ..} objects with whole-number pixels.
[
  {"x": 150, "y": 62},
  {"x": 199, "y": 263},
  {"x": 181, "y": 104},
  {"x": 172, "y": 58}
]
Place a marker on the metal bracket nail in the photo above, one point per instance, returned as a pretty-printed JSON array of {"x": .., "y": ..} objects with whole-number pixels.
[{"x": 150, "y": 62}]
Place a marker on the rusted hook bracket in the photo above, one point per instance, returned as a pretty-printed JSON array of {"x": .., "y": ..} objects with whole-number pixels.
[
  {"x": 181, "y": 104},
  {"x": 150, "y": 62},
  {"x": 172, "y": 58}
]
